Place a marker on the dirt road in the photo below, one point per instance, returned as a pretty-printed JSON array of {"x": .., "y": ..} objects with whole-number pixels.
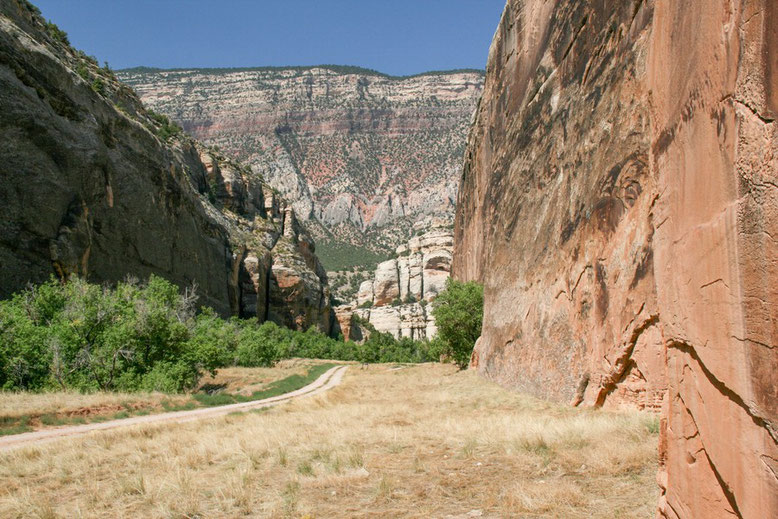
[{"x": 327, "y": 380}]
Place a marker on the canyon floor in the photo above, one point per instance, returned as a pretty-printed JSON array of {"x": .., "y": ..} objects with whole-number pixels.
[{"x": 389, "y": 441}]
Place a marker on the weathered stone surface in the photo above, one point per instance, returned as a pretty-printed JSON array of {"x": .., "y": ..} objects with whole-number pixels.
[
  {"x": 715, "y": 151},
  {"x": 365, "y": 292},
  {"x": 347, "y": 324},
  {"x": 360, "y": 155},
  {"x": 90, "y": 188},
  {"x": 618, "y": 202},
  {"x": 386, "y": 283},
  {"x": 419, "y": 273},
  {"x": 386, "y": 319}
]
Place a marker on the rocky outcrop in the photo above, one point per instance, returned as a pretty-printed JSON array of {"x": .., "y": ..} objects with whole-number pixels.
[
  {"x": 619, "y": 203},
  {"x": 396, "y": 299},
  {"x": 360, "y": 154},
  {"x": 94, "y": 185}
]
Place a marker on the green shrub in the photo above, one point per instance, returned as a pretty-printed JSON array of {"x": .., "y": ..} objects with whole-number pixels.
[
  {"x": 56, "y": 33},
  {"x": 257, "y": 344},
  {"x": 171, "y": 377},
  {"x": 458, "y": 312},
  {"x": 83, "y": 71},
  {"x": 83, "y": 336},
  {"x": 165, "y": 128},
  {"x": 98, "y": 86}
]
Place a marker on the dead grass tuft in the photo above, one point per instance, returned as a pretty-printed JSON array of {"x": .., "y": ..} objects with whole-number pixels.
[{"x": 424, "y": 441}]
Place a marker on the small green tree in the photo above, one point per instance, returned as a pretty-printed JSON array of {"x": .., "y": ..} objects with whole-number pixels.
[{"x": 459, "y": 311}]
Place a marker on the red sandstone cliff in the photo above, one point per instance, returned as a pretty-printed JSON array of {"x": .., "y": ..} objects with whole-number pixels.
[{"x": 620, "y": 203}]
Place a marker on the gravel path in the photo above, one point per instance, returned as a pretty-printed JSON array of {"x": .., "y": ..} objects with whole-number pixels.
[{"x": 327, "y": 380}]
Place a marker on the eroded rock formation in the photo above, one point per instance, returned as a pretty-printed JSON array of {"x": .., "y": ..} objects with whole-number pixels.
[
  {"x": 94, "y": 185},
  {"x": 619, "y": 203},
  {"x": 396, "y": 299},
  {"x": 360, "y": 154}
]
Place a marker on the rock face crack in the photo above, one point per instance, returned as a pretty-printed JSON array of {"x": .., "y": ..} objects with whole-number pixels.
[
  {"x": 724, "y": 390},
  {"x": 622, "y": 363},
  {"x": 725, "y": 488},
  {"x": 754, "y": 111}
]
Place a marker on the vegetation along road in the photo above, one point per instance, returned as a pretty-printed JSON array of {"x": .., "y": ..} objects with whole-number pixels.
[{"x": 327, "y": 380}]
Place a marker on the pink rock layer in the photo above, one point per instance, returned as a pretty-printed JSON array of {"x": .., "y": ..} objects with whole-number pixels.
[{"x": 619, "y": 202}]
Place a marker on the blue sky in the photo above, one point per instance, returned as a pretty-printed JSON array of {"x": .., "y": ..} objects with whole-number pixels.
[{"x": 398, "y": 37}]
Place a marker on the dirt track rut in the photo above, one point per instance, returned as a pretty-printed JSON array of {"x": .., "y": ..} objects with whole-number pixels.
[{"x": 326, "y": 381}]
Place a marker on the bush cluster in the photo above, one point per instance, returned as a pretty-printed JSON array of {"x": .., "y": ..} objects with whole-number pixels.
[
  {"x": 84, "y": 336},
  {"x": 165, "y": 129},
  {"x": 135, "y": 336},
  {"x": 379, "y": 347},
  {"x": 459, "y": 311}
]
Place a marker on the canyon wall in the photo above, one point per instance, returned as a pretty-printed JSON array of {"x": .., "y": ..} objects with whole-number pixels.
[
  {"x": 396, "y": 299},
  {"x": 93, "y": 185},
  {"x": 619, "y": 203},
  {"x": 361, "y": 155}
]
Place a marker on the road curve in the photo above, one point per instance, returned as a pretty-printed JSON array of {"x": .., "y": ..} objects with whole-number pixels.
[{"x": 327, "y": 380}]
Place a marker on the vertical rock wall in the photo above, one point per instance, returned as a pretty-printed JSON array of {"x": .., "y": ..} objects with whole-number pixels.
[
  {"x": 619, "y": 203},
  {"x": 714, "y": 145},
  {"x": 90, "y": 187},
  {"x": 396, "y": 299}
]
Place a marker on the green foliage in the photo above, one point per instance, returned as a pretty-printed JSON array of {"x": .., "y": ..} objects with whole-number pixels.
[
  {"x": 98, "y": 85},
  {"x": 366, "y": 304},
  {"x": 83, "y": 71},
  {"x": 336, "y": 255},
  {"x": 458, "y": 312},
  {"x": 165, "y": 128},
  {"x": 56, "y": 33},
  {"x": 147, "y": 337},
  {"x": 87, "y": 337},
  {"x": 255, "y": 344}
]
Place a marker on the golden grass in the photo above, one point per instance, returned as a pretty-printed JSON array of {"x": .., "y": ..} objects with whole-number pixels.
[
  {"x": 245, "y": 381},
  {"x": 71, "y": 403},
  {"x": 425, "y": 441}
]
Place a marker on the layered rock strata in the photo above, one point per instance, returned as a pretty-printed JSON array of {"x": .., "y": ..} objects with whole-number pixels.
[
  {"x": 397, "y": 299},
  {"x": 619, "y": 203},
  {"x": 360, "y": 154},
  {"x": 94, "y": 185}
]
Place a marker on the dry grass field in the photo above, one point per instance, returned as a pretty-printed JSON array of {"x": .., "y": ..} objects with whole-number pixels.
[
  {"x": 421, "y": 441},
  {"x": 51, "y": 409}
]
